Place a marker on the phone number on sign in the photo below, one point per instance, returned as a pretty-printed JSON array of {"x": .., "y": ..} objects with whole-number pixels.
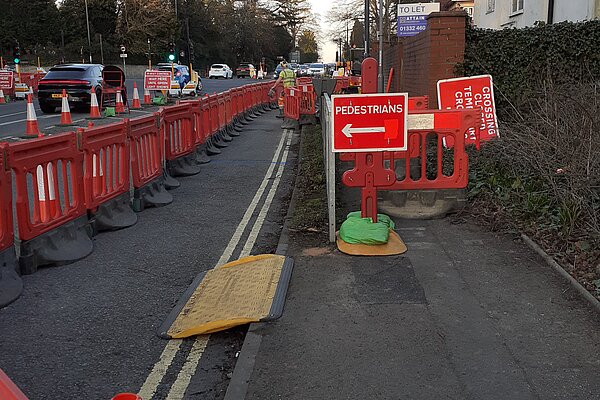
[{"x": 411, "y": 28}]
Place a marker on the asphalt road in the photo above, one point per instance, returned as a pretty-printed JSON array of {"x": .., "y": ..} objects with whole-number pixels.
[
  {"x": 88, "y": 329},
  {"x": 13, "y": 115}
]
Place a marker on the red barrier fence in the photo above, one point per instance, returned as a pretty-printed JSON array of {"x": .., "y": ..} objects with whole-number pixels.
[
  {"x": 221, "y": 109},
  {"x": 106, "y": 162},
  {"x": 178, "y": 132},
  {"x": 228, "y": 108},
  {"x": 291, "y": 107},
  {"x": 6, "y": 214},
  {"x": 214, "y": 114},
  {"x": 145, "y": 141},
  {"x": 53, "y": 166},
  {"x": 308, "y": 100},
  {"x": 418, "y": 103}
]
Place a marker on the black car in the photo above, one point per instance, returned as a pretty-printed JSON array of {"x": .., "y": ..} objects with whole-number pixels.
[
  {"x": 244, "y": 70},
  {"x": 76, "y": 79}
]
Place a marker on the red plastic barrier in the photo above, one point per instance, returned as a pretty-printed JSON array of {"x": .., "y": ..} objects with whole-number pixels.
[
  {"x": 308, "y": 100},
  {"x": 6, "y": 214},
  {"x": 303, "y": 81},
  {"x": 441, "y": 124},
  {"x": 178, "y": 132},
  {"x": 106, "y": 160},
  {"x": 8, "y": 390},
  {"x": 214, "y": 114},
  {"x": 418, "y": 103},
  {"x": 145, "y": 140},
  {"x": 54, "y": 168},
  {"x": 291, "y": 107},
  {"x": 199, "y": 108},
  {"x": 341, "y": 83},
  {"x": 222, "y": 114}
]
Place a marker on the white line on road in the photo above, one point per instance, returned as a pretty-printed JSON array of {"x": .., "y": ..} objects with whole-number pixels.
[
  {"x": 160, "y": 369},
  {"x": 23, "y": 120},
  {"x": 267, "y": 205},
  {"x": 189, "y": 368},
  {"x": 148, "y": 389},
  {"x": 17, "y": 113}
]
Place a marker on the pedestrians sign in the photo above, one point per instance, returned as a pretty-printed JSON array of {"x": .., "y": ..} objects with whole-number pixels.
[
  {"x": 412, "y": 18},
  {"x": 369, "y": 122},
  {"x": 6, "y": 80},
  {"x": 471, "y": 92},
  {"x": 157, "y": 80}
]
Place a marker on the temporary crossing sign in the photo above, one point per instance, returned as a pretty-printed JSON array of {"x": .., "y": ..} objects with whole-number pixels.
[
  {"x": 471, "y": 92},
  {"x": 412, "y": 18},
  {"x": 6, "y": 80},
  {"x": 369, "y": 122},
  {"x": 157, "y": 80}
]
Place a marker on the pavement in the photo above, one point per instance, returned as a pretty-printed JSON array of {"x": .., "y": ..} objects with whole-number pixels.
[{"x": 464, "y": 314}]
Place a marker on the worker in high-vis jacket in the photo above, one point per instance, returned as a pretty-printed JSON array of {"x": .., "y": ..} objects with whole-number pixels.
[{"x": 287, "y": 77}]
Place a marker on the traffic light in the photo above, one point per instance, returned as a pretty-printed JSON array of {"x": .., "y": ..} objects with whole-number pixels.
[
  {"x": 171, "y": 51},
  {"x": 16, "y": 53}
]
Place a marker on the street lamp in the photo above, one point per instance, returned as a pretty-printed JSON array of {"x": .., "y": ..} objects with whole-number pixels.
[{"x": 87, "y": 20}]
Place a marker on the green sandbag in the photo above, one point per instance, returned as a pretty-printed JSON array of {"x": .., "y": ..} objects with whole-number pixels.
[
  {"x": 356, "y": 230},
  {"x": 109, "y": 112},
  {"x": 159, "y": 101},
  {"x": 380, "y": 218}
]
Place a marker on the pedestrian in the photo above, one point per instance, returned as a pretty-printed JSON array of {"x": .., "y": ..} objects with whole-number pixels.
[{"x": 287, "y": 77}]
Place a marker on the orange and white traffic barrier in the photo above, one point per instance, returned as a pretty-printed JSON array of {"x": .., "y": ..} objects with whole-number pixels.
[
  {"x": 46, "y": 203},
  {"x": 31, "y": 124},
  {"x": 135, "y": 104},
  {"x": 2, "y": 99},
  {"x": 119, "y": 108},
  {"x": 94, "y": 108},
  {"x": 147, "y": 99},
  {"x": 65, "y": 113}
]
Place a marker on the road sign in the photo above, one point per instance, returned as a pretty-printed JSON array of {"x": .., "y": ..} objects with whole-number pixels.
[
  {"x": 471, "y": 92},
  {"x": 412, "y": 18},
  {"x": 295, "y": 57},
  {"x": 123, "y": 49},
  {"x": 124, "y": 55},
  {"x": 6, "y": 80},
  {"x": 157, "y": 80},
  {"x": 369, "y": 122}
]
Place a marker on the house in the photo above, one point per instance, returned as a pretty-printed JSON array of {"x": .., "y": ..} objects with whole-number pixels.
[
  {"x": 497, "y": 14},
  {"x": 455, "y": 5}
]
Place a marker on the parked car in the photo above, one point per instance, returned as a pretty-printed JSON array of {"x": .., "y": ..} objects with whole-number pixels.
[
  {"x": 294, "y": 67},
  {"x": 245, "y": 70},
  {"x": 220, "y": 71},
  {"x": 303, "y": 70},
  {"x": 182, "y": 82},
  {"x": 77, "y": 79},
  {"x": 316, "y": 69}
]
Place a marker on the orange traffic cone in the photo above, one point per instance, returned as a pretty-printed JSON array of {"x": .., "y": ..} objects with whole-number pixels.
[
  {"x": 8, "y": 390},
  {"x": 94, "y": 108},
  {"x": 31, "y": 125},
  {"x": 46, "y": 204},
  {"x": 65, "y": 113},
  {"x": 136, "y": 98},
  {"x": 2, "y": 99},
  {"x": 147, "y": 99},
  {"x": 120, "y": 108}
]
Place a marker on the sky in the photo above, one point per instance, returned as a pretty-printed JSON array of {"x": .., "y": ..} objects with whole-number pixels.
[{"x": 327, "y": 47}]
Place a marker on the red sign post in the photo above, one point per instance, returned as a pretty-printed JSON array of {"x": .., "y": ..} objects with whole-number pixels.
[
  {"x": 467, "y": 93},
  {"x": 6, "y": 80},
  {"x": 370, "y": 122},
  {"x": 157, "y": 80}
]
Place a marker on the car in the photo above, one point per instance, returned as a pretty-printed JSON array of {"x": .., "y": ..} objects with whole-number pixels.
[
  {"x": 277, "y": 71},
  {"x": 77, "y": 79},
  {"x": 303, "y": 70},
  {"x": 182, "y": 82},
  {"x": 316, "y": 69},
  {"x": 220, "y": 71},
  {"x": 245, "y": 70},
  {"x": 294, "y": 67}
]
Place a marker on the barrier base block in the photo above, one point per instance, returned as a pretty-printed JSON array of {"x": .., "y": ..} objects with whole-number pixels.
[
  {"x": 64, "y": 245},
  {"x": 218, "y": 142},
  {"x": 170, "y": 182},
  {"x": 232, "y": 132},
  {"x": 114, "y": 214},
  {"x": 11, "y": 284},
  {"x": 183, "y": 166},
  {"x": 153, "y": 194},
  {"x": 289, "y": 123},
  {"x": 224, "y": 135},
  {"x": 211, "y": 148},
  {"x": 201, "y": 154},
  {"x": 307, "y": 119},
  {"x": 422, "y": 204}
]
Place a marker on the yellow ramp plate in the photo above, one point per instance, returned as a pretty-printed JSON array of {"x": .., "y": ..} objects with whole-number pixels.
[
  {"x": 250, "y": 289},
  {"x": 394, "y": 246}
]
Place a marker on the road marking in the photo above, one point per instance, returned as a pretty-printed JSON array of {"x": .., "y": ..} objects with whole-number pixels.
[
  {"x": 189, "y": 368},
  {"x": 17, "y": 113},
  {"x": 160, "y": 369},
  {"x": 24, "y": 120},
  {"x": 148, "y": 389},
  {"x": 267, "y": 205},
  {"x": 235, "y": 239}
]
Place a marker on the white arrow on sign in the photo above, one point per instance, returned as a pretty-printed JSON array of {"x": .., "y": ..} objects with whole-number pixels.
[{"x": 348, "y": 130}]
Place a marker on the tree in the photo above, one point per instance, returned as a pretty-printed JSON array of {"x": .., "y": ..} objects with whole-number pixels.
[
  {"x": 293, "y": 15},
  {"x": 307, "y": 43}
]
